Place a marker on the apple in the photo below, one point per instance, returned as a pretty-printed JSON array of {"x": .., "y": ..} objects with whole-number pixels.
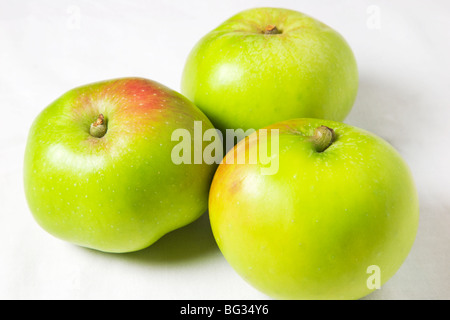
[
  {"x": 98, "y": 170},
  {"x": 266, "y": 65},
  {"x": 335, "y": 221}
]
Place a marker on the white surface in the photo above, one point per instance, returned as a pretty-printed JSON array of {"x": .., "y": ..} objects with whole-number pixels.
[{"x": 49, "y": 47}]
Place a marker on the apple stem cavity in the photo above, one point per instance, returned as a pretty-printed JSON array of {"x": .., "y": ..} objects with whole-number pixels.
[
  {"x": 271, "y": 29},
  {"x": 323, "y": 138},
  {"x": 98, "y": 128}
]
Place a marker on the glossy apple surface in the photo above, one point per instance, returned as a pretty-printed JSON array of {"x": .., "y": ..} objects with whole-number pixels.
[
  {"x": 316, "y": 228},
  {"x": 266, "y": 65},
  {"x": 118, "y": 192}
]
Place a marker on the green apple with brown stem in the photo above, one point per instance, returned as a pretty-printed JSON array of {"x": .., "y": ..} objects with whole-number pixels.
[
  {"x": 98, "y": 170},
  {"x": 266, "y": 65},
  {"x": 335, "y": 221}
]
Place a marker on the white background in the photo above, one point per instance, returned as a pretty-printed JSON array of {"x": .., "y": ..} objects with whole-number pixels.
[{"x": 49, "y": 47}]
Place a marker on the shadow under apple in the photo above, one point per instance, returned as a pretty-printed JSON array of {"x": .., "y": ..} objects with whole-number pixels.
[{"x": 191, "y": 242}]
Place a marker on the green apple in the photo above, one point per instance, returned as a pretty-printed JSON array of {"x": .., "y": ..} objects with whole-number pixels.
[
  {"x": 98, "y": 170},
  {"x": 335, "y": 221},
  {"x": 266, "y": 65}
]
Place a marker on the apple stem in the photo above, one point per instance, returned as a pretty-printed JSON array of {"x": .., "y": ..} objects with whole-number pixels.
[
  {"x": 323, "y": 138},
  {"x": 271, "y": 29},
  {"x": 98, "y": 128}
]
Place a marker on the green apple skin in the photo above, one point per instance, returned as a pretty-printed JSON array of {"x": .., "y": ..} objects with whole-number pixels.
[
  {"x": 120, "y": 192},
  {"x": 311, "y": 230},
  {"x": 242, "y": 78}
]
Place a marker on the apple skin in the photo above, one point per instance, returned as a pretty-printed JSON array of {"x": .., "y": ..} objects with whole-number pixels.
[
  {"x": 120, "y": 192},
  {"x": 311, "y": 230},
  {"x": 242, "y": 78}
]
